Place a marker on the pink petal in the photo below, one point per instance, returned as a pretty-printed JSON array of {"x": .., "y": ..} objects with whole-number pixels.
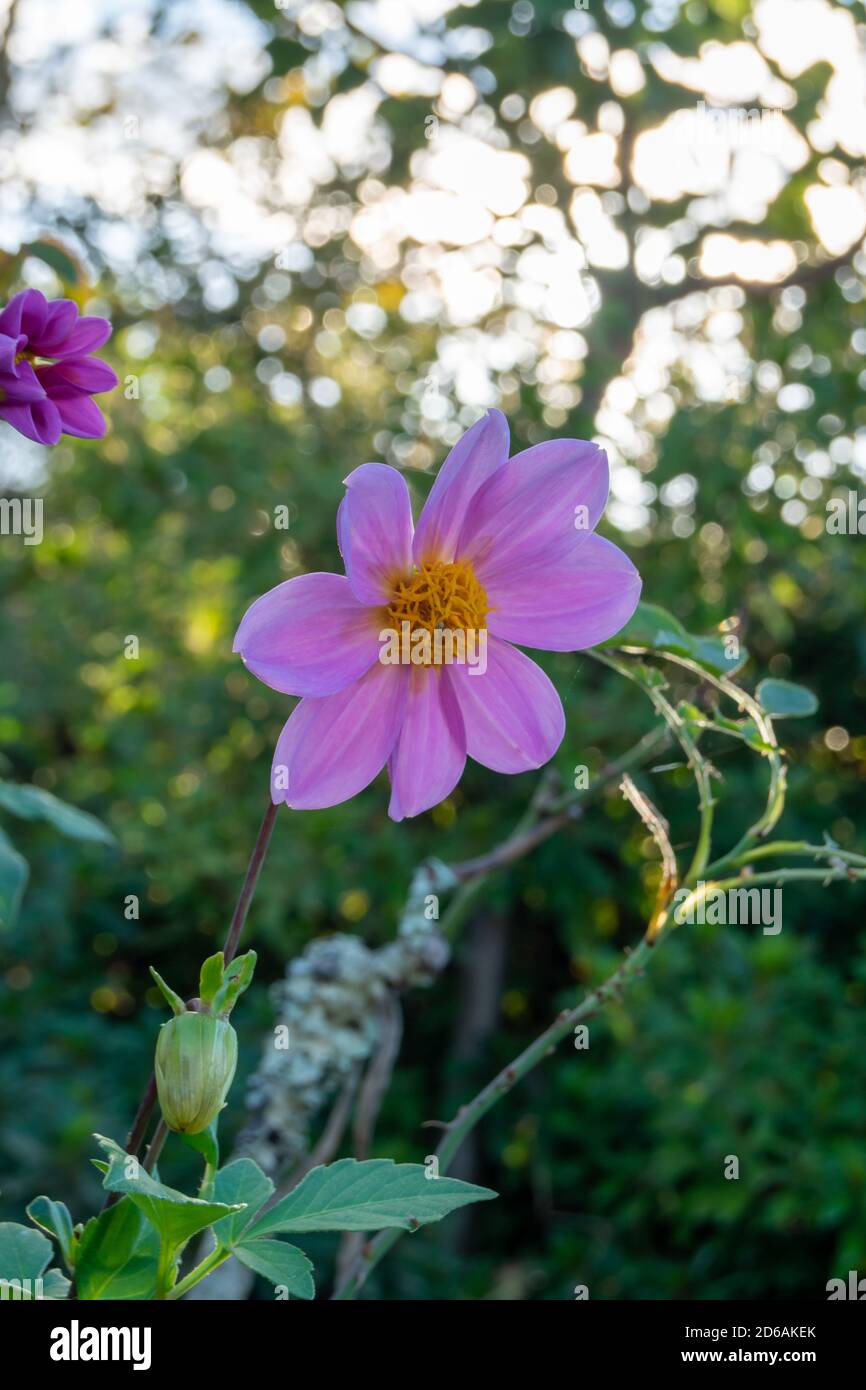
[
  {"x": 512, "y": 714},
  {"x": 309, "y": 636},
  {"x": 542, "y": 504},
  {"x": 38, "y": 420},
  {"x": 82, "y": 374},
  {"x": 8, "y": 351},
  {"x": 480, "y": 451},
  {"x": 89, "y": 333},
  {"x": 25, "y": 313},
  {"x": 80, "y": 416},
  {"x": 374, "y": 530},
  {"x": 22, "y": 385},
  {"x": 59, "y": 319},
  {"x": 567, "y": 605},
  {"x": 332, "y": 748},
  {"x": 430, "y": 754}
]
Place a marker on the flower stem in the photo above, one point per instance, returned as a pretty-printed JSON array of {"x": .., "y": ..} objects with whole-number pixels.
[
  {"x": 136, "y": 1136},
  {"x": 257, "y": 858},
  {"x": 160, "y": 1134},
  {"x": 201, "y": 1271}
]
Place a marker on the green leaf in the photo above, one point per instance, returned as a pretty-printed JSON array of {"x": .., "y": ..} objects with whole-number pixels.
[
  {"x": 173, "y": 1000},
  {"x": 55, "y": 1285},
  {"x": 659, "y": 631},
  {"x": 13, "y": 880},
  {"x": 24, "y": 1253},
  {"x": 54, "y": 1218},
  {"x": 238, "y": 977},
  {"x": 175, "y": 1216},
  {"x": 279, "y": 1262},
  {"x": 211, "y": 977},
  {"x": 241, "y": 1181},
  {"x": 784, "y": 700},
  {"x": 59, "y": 259},
  {"x": 117, "y": 1255},
  {"x": 32, "y": 803},
  {"x": 206, "y": 1144},
  {"x": 366, "y": 1196}
]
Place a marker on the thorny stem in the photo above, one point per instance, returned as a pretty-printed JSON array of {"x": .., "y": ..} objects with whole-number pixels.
[
  {"x": 842, "y": 865},
  {"x": 543, "y": 817},
  {"x": 697, "y": 762},
  {"x": 468, "y": 1117},
  {"x": 632, "y": 966},
  {"x": 795, "y": 847},
  {"x": 744, "y": 701}
]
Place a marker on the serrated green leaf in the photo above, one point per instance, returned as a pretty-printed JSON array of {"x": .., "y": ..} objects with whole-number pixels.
[
  {"x": 366, "y": 1196},
  {"x": 175, "y": 1216},
  {"x": 14, "y": 872},
  {"x": 281, "y": 1263},
  {"x": 33, "y": 803},
  {"x": 54, "y": 1218},
  {"x": 240, "y": 1181},
  {"x": 785, "y": 700},
  {"x": 117, "y": 1255}
]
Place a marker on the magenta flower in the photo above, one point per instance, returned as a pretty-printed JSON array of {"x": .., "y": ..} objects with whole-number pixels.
[
  {"x": 504, "y": 549},
  {"x": 47, "y": 377}
]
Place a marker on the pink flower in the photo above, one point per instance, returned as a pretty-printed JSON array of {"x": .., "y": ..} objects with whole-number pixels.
[
  {"x": 504, "y": 548},
  {"x": 47, "y": 378}
]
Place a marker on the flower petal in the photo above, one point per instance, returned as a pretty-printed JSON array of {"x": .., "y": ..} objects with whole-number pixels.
[
  {"x": 543, "y": 503},
  {"x": 79, "y": 415},
  {"x": 8, "y": 351},
  {"x": 512, "y": 714},
  {"x": 332, "y": 748},
  {"x": 568, "y": 605},
  {"x": 37, "y": 420},
  {"x": 430, "y": 754},
  {"x": 25, "y": 313},
  {"x": 374, "y": 530},
  {"x": 80, "y": 374},
  {"x": 480, "y": 451},
  {"x": 89, "y": 333},
  {"x": 60, "y": 317},
  {"x": 309, "y": 636},
  {"x": 22, "y": 384}
]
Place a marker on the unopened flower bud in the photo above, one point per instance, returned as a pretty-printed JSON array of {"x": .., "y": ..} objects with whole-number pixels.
[{"x": 196, "y": 1056}]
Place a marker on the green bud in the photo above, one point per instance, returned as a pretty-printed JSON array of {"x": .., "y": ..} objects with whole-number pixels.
[{"x": 196, "y": 1056}]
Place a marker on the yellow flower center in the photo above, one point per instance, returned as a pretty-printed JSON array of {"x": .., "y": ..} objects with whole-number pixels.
[{"x": 440, "y": 594}]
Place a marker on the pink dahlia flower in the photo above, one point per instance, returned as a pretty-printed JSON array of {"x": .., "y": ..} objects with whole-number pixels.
[
  {"x": 47, "y": 377},
  {"x": 504, "y": 548}
]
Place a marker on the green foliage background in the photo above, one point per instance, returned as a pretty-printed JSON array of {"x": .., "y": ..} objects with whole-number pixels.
[{"x": 609, "y": 1162}]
